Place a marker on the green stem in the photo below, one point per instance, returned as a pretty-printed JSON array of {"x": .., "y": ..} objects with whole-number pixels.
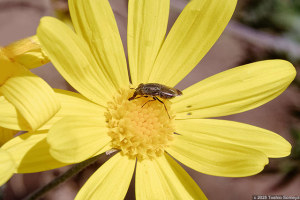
[{"x": 62, "y": 178}]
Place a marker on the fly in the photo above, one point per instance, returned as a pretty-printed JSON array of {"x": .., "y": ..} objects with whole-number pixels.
[{"x": 155, "y": 90}]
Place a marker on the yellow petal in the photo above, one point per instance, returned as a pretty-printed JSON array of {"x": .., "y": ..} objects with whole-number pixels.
[
  {"x": 235, "y": 90},
  {"x": 9, "y": 116},
  {"x": 31, "y": 154},
  {"x": 8, "y": 68},
  {"x": 110, "y": 181},
  {"x": 7, "y": 166},
  {"x": 33, "y": 98},
  {"x": 95, "y": 22},
  {"x": 217, "y": 158},
  {"x": 195, "y": 31},
  {"x": 147, "y": 25},
  {"x": 74, "y": 104},
  {"x": 73, "y": 59},
  {"x": 268, "y": 142},
  {"x": 75, "y": 139},
  {"x": 6, "y": 135},
  {"x": 27, "y": 52},
  {"x": 164, "y": 178}
]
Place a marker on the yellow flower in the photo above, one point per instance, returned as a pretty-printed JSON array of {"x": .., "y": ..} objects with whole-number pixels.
[
  {"x": 94, "y": 63},
  {"x": 30, "y": 151},
  {"x": 7, "y": 164},
  {"x": 33, "y": 98},
  {"x": 26, "y": 101}
]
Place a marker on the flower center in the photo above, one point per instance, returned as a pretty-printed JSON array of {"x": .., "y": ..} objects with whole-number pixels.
[{"x": 140, "y": 128}]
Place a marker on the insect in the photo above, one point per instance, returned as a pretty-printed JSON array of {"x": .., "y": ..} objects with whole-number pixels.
[{"x": 155, "y": 90}]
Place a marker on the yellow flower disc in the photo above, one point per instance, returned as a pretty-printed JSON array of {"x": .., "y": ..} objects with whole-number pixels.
[{"x": 140, "y": 128}]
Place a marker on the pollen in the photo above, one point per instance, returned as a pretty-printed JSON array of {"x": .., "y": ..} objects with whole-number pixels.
[{"x": 138, "y": 131}]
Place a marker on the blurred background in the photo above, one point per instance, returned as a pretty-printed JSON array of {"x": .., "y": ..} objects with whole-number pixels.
[{"x": 259, "y": 30}]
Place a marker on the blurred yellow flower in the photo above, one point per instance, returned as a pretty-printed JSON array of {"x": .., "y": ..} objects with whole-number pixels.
[
  {"x": 92, "y": 60},
  {"x": 26, "y": 52},
  {"x": 26, "y": 101},
  {"x": 7, "y": 165},
  {"x": 33, "y": 98}
]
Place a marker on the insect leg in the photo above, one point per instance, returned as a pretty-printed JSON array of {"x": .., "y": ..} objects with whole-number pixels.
[
  {"x": 149, "y": 101},
  {"x": 155, "y": 98}
]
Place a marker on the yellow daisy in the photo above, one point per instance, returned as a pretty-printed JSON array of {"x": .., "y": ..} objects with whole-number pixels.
[
  {"x": 26, "y": 101},
  {"x": 92, "y": 60},
  {"x": 7, "y": 164},
  {"x": 26, "y": 104},
  {"x": 33, "y": 98}
]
